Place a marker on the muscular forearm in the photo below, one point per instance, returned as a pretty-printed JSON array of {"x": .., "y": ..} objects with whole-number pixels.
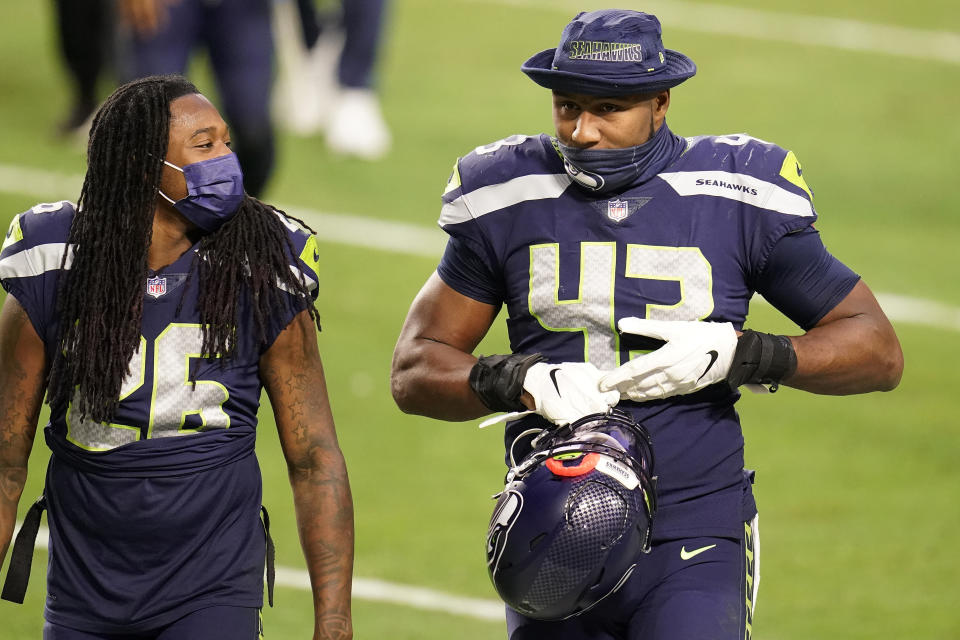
[
  {"x": 430, "y": 378},
  {"x": 12, "y": 480},
  {"x": 325, "y": 521},
  {"x": 22, "y": 373},
  {"x": 851, "y": 355},
  {"x": 292, "y": 374},
  {"x": 430, "y": 375}
]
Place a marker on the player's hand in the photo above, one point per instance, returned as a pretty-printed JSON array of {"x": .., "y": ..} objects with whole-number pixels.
[
  {"x": 145, "y": 17},
  {"x": 563, "y": 393},
  {"x": 696, "y": 355}
]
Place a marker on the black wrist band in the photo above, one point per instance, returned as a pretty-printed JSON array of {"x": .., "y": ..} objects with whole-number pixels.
[
  {"x": 498, "y": 380},
  {"x": 762, "y": 358}
]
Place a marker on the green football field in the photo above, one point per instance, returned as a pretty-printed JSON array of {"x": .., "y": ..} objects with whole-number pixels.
[{"x": 859, "y": 496}]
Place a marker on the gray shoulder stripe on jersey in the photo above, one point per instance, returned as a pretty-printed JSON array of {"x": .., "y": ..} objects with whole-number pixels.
[
  {"x": 34, "y": 261},
  {"x": 38, "y": 260},
  {"x": 498, "y": 196},
  {"x": 741, "y": 187},
  {"x": 738, "y": 140},
  {"x": 299, "y": 275},
  {"x": 292, "y": 225}
]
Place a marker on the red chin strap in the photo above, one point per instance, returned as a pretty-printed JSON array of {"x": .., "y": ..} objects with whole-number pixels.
[{"x": 571, "y": 465}]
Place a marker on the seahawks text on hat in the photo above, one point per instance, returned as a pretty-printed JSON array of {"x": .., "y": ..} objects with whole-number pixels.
[{"x": 605, "y": 51}]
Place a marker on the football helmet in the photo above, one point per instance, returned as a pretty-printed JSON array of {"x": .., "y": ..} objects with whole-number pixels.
[{"x": 574, "y": 516}]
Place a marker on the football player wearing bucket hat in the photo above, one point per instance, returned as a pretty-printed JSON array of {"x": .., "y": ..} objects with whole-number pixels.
[{"x": 626, "y": 256}]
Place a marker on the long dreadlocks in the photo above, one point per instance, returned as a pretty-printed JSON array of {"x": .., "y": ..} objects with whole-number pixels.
[{"x": 100, "y": 298}]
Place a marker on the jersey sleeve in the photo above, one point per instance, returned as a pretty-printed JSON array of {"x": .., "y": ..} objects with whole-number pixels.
[
  {"x": 466, "y": 273},
  {"x": 792, "y": 268},
  {"x": 803, "y": 280},
  {"x": 307, "y": 262},
  {"x": 777, "y": 200},
  {"x": 783, "y": 256},
  {"x": 30, "y": 260},
  {"x": 305, "y": 266},
  {"x": 469, "y": 264},
  {"x": 487, "y": 180}
]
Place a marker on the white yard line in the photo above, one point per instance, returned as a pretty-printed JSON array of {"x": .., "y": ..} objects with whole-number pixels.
[
  {"x": 420, "y": 240},
  {"x": 794, "y": 28},
  {"x": 405, "y": 595},
  {"x": 373, "y": 233}
]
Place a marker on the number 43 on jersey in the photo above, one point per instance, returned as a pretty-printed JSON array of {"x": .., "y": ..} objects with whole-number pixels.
[{"x": 592, "y": 312}]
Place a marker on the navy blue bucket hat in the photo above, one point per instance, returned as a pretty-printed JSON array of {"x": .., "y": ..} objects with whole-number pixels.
[{"x": 610, "y": 52}]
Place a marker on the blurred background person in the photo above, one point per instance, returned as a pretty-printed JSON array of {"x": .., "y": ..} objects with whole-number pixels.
[
  {"x": 85, "y": 36},
  {"x": 328, "y": 61},
  {"x": 159, "y": 36}
]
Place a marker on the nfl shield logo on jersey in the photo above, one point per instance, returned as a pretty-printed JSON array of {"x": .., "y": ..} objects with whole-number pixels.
[
  {"x": 156, "y": 287},
  {"x": 617, "y": 210}
]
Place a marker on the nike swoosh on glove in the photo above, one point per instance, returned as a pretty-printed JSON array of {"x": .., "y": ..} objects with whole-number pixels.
[
  {"x": 566, "y": 392},
  {"x": 696, "y": 355}
]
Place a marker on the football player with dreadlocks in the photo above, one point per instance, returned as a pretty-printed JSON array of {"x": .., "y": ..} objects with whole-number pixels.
[
  {"x": 626, "y": 256},
  {"x": 153, "y": 313}
]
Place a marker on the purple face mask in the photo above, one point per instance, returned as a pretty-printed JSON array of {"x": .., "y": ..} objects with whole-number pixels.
[{"x": 214, "y": 191}]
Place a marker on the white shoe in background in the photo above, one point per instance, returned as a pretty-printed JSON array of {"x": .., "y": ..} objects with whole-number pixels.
[
  {"x": 306, "y": 86},
  {"x": 356, "y": 126}
]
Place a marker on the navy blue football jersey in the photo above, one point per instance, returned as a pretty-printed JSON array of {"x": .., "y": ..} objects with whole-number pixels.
[
  {"x": 693, "y": 243},
  {"x": 156, "y": 513}
]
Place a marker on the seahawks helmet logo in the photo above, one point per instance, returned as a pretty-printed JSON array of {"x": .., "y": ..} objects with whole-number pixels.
[{"x": 509, "y": 507}]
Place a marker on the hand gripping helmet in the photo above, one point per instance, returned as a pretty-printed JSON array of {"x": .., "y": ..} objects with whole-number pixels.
[{"x": 574, "y": 516}]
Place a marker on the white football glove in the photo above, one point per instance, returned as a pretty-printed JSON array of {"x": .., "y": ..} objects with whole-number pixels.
[
  {"x": 696, "y": 355},
  {"x": 566, "y": 392}
]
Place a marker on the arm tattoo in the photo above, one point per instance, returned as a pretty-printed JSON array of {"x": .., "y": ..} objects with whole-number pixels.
[
  {"x": 320, "y": 485},
  {"x": 300, "y": 405},
  {"x": 20, "y": 399},
  {"x": 21, "y": 393},
  {"x": 19, "y": 409},
  {"x": 335, "y": 626}
]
